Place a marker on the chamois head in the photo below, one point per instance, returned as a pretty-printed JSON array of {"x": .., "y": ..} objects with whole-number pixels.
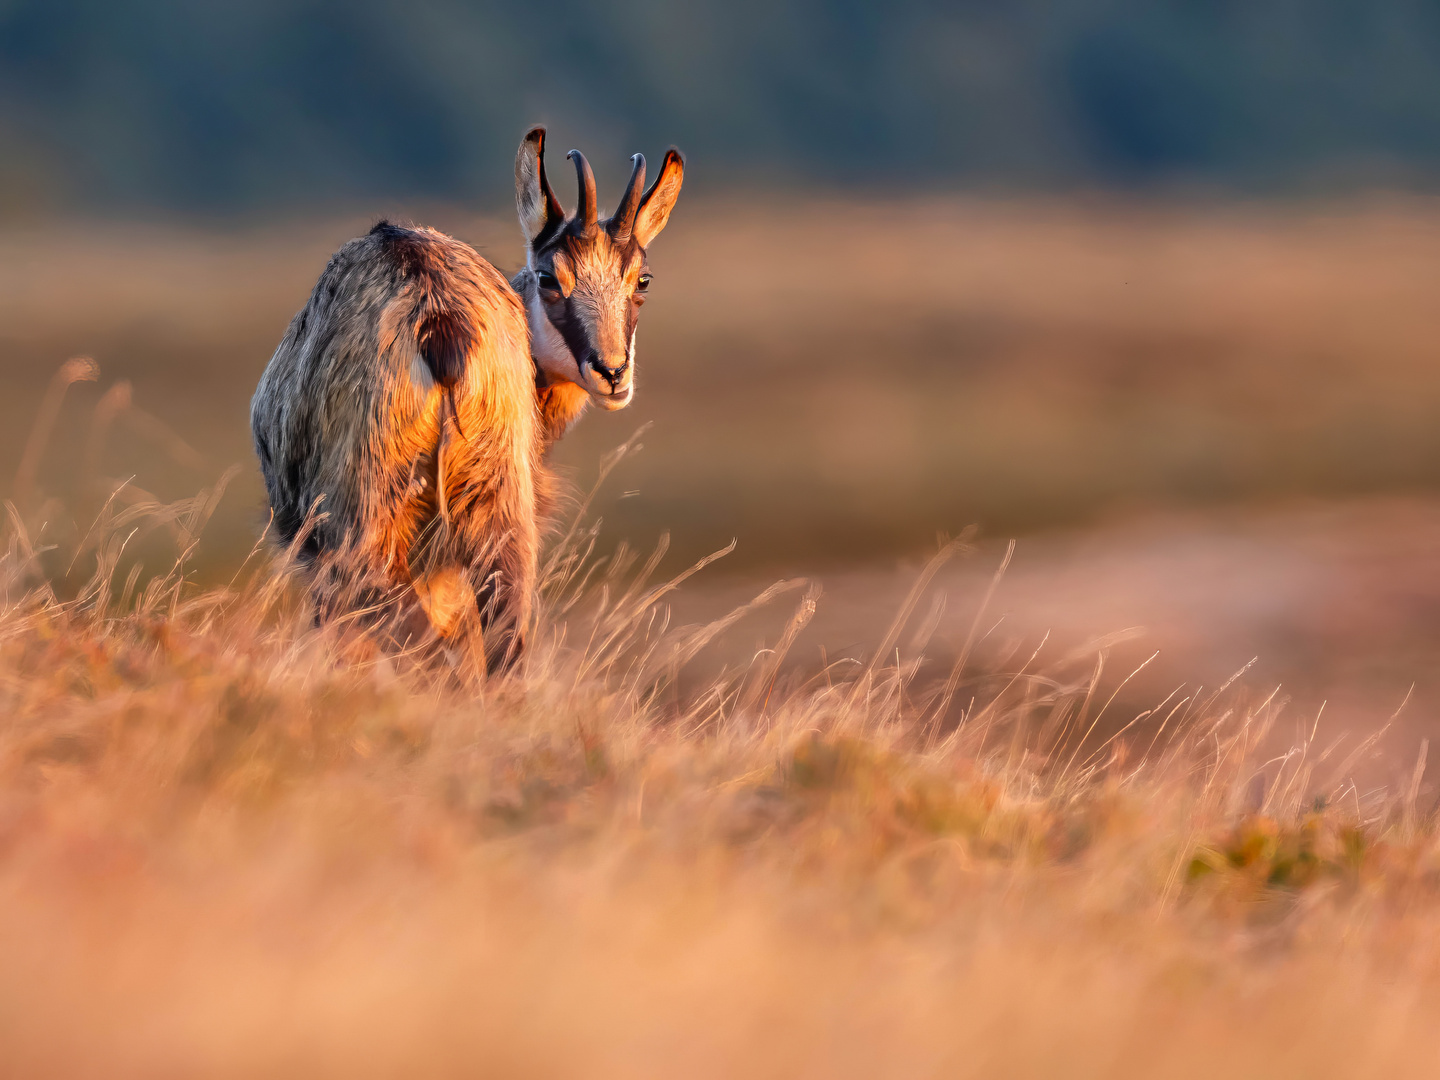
[{"x": 585, "y": 278}]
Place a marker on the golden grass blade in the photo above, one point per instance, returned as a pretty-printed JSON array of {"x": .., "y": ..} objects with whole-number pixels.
[{"x": 77, "y": 369}]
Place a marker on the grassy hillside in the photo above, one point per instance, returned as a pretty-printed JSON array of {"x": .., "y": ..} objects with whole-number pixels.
[
  {"x": 232, "y": 845},
  {"x": 938, "y": 821}
]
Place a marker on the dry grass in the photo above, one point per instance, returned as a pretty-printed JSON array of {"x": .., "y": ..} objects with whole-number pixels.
[
  {"x": 228, "y": 847},
  {"x": 228, "y": 850}
]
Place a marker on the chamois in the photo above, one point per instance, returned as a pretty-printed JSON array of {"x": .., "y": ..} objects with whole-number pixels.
[
  {"x": 401, "y": 423},
  {"x": 585, "y": 280}
]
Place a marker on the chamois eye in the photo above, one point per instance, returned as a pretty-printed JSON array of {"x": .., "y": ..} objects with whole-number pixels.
[
  {"x": 547, "y": 280},
  {"x": 643, "y": 283}
]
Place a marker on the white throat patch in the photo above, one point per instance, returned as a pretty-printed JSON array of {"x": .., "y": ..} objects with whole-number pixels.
[{"x": 546, "y": 345}]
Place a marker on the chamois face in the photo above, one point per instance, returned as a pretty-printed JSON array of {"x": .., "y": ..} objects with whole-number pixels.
[
  {"x": 583, "y": 310},
  {"x": 586, "y": 279}
]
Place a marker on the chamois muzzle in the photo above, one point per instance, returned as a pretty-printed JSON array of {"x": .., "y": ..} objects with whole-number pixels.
[{"x": 611, "y": 387}]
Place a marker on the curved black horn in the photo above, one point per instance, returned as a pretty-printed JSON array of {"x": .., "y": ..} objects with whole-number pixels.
[
  {"x": 586, "y": 209},
  {"x": 622, "y": 222}
]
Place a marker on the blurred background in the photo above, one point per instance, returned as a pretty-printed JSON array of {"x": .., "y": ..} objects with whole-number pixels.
[{"x": 1148, "y": 286}]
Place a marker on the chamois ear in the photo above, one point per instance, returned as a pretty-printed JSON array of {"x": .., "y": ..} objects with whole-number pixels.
[
  {"x": 655, "y": 207},
  {"x": 540, "y": 210}
]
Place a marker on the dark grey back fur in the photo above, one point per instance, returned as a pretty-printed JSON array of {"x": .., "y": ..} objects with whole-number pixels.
[{"x": 350, "y": 419}]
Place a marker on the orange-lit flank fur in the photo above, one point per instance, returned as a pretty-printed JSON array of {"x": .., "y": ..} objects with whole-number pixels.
[{"x": 351, "y": 418}]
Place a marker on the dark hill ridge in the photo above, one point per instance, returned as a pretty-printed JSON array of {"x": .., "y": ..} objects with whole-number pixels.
[{"x": 257, "y": 104}]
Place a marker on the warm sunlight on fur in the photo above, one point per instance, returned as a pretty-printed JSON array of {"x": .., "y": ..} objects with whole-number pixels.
[{"x": 230, "y": 844}]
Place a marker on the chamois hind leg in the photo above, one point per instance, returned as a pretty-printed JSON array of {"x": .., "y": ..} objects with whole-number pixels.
[
  {"x": 367, "y": 614},
  {"x": 501, "y": 625},
  {"x": 448, "y": 602}
]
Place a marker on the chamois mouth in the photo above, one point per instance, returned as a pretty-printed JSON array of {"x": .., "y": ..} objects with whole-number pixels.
[
  {"x": 611, "y": 388},
  {"x": 614, "y": 400}
]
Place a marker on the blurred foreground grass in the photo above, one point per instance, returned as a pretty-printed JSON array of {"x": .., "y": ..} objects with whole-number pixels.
[
  {"x": 230, "y": 848},
  {"x": 835, "y": 381}
]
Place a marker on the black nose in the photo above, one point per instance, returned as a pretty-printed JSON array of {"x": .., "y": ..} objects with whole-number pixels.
[{"x": 609, "y": 374}]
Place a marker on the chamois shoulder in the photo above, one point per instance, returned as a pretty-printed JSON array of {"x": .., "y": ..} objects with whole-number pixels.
[{"x": 435, "y": 261}]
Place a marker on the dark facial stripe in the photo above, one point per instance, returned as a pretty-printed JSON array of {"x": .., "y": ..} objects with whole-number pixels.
[{"x": 565, "y": 319}]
